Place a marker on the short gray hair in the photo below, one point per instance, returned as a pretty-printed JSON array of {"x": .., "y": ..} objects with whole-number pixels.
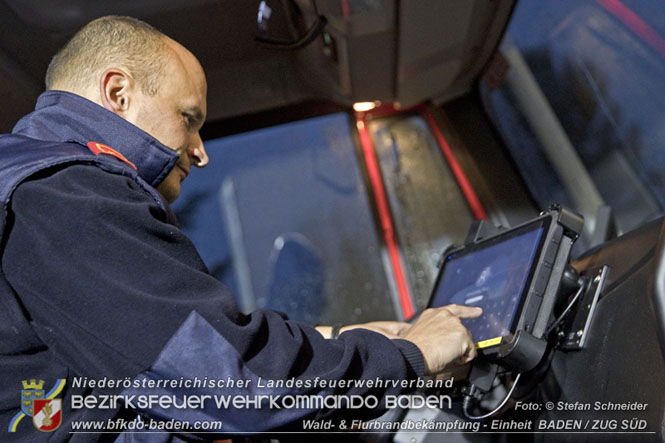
[{"x": 111, "y": 41}]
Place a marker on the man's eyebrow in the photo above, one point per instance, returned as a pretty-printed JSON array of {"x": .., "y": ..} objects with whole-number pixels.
[{"x": 196, "y": 113}]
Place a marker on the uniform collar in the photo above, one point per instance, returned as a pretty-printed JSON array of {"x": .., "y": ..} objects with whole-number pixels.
[{"x": 66, "y": 117}]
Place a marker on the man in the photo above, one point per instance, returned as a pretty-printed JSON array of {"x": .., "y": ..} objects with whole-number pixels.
[{"x": 98, "y": 282}]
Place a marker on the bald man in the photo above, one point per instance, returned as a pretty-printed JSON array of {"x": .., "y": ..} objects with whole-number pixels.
[{"x": 98, "y": 283}]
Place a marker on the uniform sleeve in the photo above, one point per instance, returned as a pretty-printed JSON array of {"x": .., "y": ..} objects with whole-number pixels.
[{"x": 115, "y": 291}]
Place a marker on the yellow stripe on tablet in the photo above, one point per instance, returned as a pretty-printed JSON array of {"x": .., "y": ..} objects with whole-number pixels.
[{"x": 488, "y": 343}]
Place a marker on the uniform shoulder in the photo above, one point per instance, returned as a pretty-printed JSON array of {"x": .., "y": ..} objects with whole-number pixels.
[{"x": 75, "y": 181}]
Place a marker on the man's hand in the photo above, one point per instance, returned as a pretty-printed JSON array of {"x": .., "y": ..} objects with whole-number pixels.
[
  {"x": 438, "y": 333},
  {"x": 391, "y": 329},
  {"x": 441, "y": 337}
]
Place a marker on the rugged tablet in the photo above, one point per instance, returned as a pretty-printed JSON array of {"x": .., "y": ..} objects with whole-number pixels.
[{"x": 513, "y": 275}]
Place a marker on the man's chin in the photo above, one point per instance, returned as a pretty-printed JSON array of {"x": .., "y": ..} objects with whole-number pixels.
[{"x": 170, "y": 191}]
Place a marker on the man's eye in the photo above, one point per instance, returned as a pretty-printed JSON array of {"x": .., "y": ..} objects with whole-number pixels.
[{"x": 189, "y": 119}]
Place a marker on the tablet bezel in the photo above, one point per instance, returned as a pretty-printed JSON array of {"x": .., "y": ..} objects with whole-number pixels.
[{"x": 544, "y": 222}]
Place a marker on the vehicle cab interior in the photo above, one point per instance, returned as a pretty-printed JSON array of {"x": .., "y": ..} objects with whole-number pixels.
[{"x": 372, "y": 158}]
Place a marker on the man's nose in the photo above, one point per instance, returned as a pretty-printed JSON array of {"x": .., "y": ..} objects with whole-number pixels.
[{"x": 198, "y": 152}]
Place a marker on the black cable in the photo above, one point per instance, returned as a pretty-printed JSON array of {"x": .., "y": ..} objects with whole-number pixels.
[
  {"x": 565, "y": 311},
  {"x": 467, "y": 402}
]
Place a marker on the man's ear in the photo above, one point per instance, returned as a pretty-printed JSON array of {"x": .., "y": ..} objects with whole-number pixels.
[{"x": 116, "y": 91}]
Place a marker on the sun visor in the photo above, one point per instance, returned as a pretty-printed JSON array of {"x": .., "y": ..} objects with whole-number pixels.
[{"x": 403, "y": 52}]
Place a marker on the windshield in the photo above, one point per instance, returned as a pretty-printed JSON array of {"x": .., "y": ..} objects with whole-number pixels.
[{"x": 600, "y": 65}]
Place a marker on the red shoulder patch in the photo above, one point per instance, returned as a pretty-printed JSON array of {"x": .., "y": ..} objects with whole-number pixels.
[{"x": 98, "y": 148}]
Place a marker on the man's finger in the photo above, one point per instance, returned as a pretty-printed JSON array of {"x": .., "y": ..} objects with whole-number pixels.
[
  {"x": 472, "y": 352},
  {"x": 464, "y": 311},
  {"x": 469, "y": 354}
]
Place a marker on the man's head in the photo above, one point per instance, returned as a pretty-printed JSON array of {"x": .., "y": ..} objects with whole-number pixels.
[{"x": 143, "y": 76}]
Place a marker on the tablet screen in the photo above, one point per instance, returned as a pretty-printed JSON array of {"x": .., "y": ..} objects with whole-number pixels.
[{"x": 492, "y": 275}]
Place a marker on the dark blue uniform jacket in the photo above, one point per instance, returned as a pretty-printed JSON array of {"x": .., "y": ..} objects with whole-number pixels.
[{"x": 96, "y": 280}]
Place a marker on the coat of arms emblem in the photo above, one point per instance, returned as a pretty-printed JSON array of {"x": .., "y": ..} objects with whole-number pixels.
[
  {"x": 47, "y": 414},
  {"x": 44, "y": 408},
  {"x": 31, "y": 390}
]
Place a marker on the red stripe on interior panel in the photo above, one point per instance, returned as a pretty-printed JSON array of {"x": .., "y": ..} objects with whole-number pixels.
[{"x": 383, "y": 208}]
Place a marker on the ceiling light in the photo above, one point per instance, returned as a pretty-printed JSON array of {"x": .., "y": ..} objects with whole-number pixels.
[{"x": 365, "y": 106}]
